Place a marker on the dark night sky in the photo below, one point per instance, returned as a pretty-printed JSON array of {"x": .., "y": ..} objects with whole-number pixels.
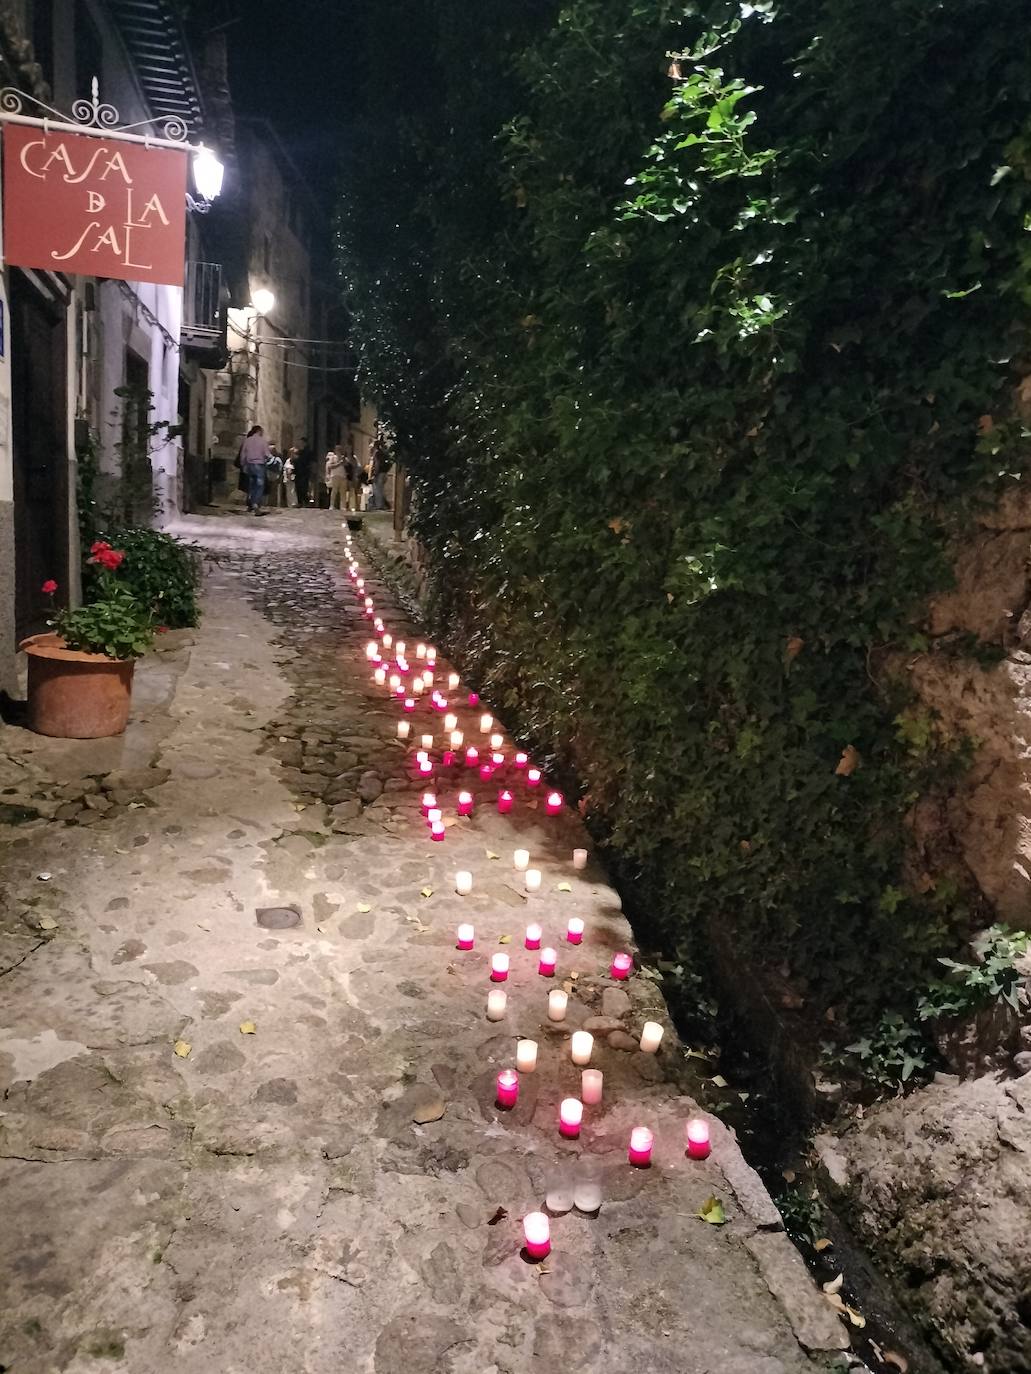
[{"x": 297, "y": 63}]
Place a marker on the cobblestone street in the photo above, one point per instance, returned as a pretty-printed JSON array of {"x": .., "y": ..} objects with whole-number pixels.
[{"x": 231, "y": 1146}]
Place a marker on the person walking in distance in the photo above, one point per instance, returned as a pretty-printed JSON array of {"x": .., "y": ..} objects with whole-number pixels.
[
  {"x": 290, "y": 477},
  {"x": 304, "y": 463},
  {"x": 274, "y": 479},
  {"x": 337, "y": 480},
  {"x": 354, "y": 474},
  {"x": 254, "y": 454}
]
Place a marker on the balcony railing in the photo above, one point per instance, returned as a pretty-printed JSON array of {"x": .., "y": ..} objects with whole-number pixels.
[{"x": 203, "y": 313}]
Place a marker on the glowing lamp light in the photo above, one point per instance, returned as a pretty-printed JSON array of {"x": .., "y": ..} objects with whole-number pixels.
[
  {"x": 553, "y": 805},
  {"x": 534, "y": 935},
  {"x": 570, "y": 1115},
  {"x": 263, "y": 300},
  {"x": 548, "y": 960},
  {"x": 698, "y": 1145},
  {"x": 537, "y": 1235},
  {"x": 508, "y": 1089},
  {"x": 498, "y": 968},
  {"x": 465, "y": 936},
  {"x": 465, "y": 804},
  {"x": 640, "y": 1150},
  {"x": 504, "y": 802},
  {"x": 651, "y": 1036},
  {"x": 575, "y": 930},
  {"x": 621, "y": 966}
]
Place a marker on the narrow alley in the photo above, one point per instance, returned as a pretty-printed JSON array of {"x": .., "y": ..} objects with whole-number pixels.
[{"x": 249, "y": 1116}]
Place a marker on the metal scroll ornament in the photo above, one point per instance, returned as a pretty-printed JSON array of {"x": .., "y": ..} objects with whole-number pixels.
[{"x": 93, "y": 115}]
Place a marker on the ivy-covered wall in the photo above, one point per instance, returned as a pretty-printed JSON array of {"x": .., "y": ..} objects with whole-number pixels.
[{"x": 689, "y": 320}]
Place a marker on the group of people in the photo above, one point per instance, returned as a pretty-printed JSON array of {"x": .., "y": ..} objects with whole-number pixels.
[{"x": 269, "y": 479}]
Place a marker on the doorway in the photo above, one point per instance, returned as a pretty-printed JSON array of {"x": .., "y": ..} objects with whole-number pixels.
[{"x": 40, "y": 445}]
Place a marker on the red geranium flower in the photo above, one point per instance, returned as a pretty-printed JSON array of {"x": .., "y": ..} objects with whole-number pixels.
[
  {"x": 49, "y": 587},
  {"x": 161, "y": 629},
  {"x": 99, "y": 546},
  {"x": 107, "y": 557}
]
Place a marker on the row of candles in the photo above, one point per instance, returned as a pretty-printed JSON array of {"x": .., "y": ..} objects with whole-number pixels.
[{"x": 536, "y": 1225}]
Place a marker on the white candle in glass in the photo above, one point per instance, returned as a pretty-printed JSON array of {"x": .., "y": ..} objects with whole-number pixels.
[
  {"x": 591, "y": 1081},
  {"x": 651, "y": 1036},
  {"x": 581, "y": 1046},
  {"x": 496, "y": 1000},
  {"x": 457, "y": 739},
  {"x": 387, "y": 641},
  {"x": 557, "y": 1005},
  {"x": 463, "y": 883},
  {"x": 404, "y": 729},
  {"x": 532, "y": 879},
  {"x": 451, "y": 721},
  {"x": 579, "y": 858},
  {"x": 497, "y": 741},
  {"x": 427, "y": 741},
  {"x": 453, "y": 680},
  {"x": 380, "y": 676},
  {"x": 418, "y": 687},
  {"x": 521, "y": 859},
  {"x": 400, "y": 648},
  {"x": 526, "y": 1056},
  {"x": 420, "y": 651},
  {"x": 427, "y": 676},
  {"x": 395, "y": 681},
  {"x": 486, "y": 724}
]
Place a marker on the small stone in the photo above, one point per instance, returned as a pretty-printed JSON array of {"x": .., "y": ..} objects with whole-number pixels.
[
  {"x": 370, "y": 787},
  {"x": 473, "y": 1217},
  {"x": 615, "y": 1002},
  {"x": 345, "y": 811},
  {"x": 68, "y": 812},
  {"x": 602, "y": 1025},
  {"x": 136, "y": 780},
  {"x": 619, "y": 1040},
  {"x": 430, "y": 1108},
  {"x": 97, "y": 802},
  {"x": 1022, "y": 1061}
]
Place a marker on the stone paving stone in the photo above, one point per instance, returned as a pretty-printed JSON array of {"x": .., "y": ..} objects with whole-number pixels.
[{"x": 228, "y": 1148}]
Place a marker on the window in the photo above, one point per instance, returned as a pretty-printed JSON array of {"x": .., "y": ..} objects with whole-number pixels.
[{"x": 89, "y": 51}]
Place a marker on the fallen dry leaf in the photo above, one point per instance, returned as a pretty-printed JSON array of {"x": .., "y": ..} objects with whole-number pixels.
[
  {"x": 836, "y": 1303},
  {"x": 504, "y": 939},
  {"x": 567, "y": 986},
  {"x": 848, "y": 763},
  {"x": 248, "y": 1028},
  {"x": 718, "y": 1081},
  {"x": 363, "y": 907},
  {"x": 899, "y": 1361},
  {"x": 182, "y": 1048},
  {"x": 420, "y": 928},
  {"x": 856, "y": 1318},
  {"x": 491, "y": 855},
  {"x": 822, "y": 1244},
  {"x": 788, "y": 1175},
  {"x": 834, "y": 1285},
  {"x": 499, "y": 1215},
  {"x": 712, "y": 1211},
  {"x": 793, "y": 648},
  {"x": 564, "y": 887},
  {"x": 47, "y": 923},
  {"x": 617, "y": 525},
  {"x": 426, "y": 892}
]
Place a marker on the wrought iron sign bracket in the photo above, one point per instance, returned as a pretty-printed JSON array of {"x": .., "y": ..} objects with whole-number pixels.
[{"x": 94, "y": 116}]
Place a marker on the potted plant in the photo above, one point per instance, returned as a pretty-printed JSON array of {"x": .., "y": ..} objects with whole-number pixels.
[{"x": 80, "y": 674}]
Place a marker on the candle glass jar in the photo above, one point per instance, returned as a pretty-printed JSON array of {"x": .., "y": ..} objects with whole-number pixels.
[
  {"x": 559, "y": 1186},
  {"x": 587, "y": 1194}
]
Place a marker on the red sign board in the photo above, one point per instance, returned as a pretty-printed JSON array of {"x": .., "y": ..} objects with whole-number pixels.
[{"x": 98, "y": 207}]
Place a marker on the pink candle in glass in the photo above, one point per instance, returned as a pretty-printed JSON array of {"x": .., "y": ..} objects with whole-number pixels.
[
  {"x": 533, "y": 777},
  {"x": 498, "y": 968},
  {"x": 508, "y": 1088},
  {"x": 429, "y": 801},
  {"x": 546, "y": 967},
  {"x": 520, "y": 760},
  {"x": 621, "y": 966},
  {"x": 498, "y": 760},
  {"x": 448, "y": 758},
  {"x": 575, "y": 930},
  {"x": 640, "y": 1149},
  {"x": 465, "y": 804},
  {"x": 534, "y": 935},
  {"x": 504, "y": 802},
  {"x": 537, "y": 1234},
  {"x": 486, "y": 772},
  {"x": 434, "y": 814},
  {"x": 472, "y": 757},
  {"x": 425, "y": 768},
  {"x": 437, "y": 831},
  {"x": 466, "y": 937},
  {"x": 554, "y": 803},
  {"x": 474, "y": 698},
  {"x": 698, "y": 1146},
  {"x": 570, "y": 1114}
]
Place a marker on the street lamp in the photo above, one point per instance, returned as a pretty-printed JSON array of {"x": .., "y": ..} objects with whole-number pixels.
[
  {"x": 263, "y": 300},
  {"x": 208, "y": 172}
]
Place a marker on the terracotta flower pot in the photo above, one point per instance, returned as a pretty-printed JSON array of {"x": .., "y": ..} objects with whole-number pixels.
[{"x": 75, "y": 695}]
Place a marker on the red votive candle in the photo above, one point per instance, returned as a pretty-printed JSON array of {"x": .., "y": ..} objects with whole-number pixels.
[
  {"x": 570, "y": 1114},
  {"x": 520, "y": 760},
  {"x": 504, "y": 802},
  {"x": 534, "y": 935},
  {"x": 486, "y": 772},
  {"x": 498, "y": 968},
  {"x": 508, "y": 1088},
  {"x": 546, "y": 967},
  {"x": 474, "y": 698},
  {"x": 621, "y": 966},
  {"x": 465, "y": 804},
  {"x": 554, "y": 803},
  {"x": 425, "y": 768},
  {"x": 640, "y": 1150},
  {"x": 498, "y": 760},
  {"x": 533, "y": 777},
  {"x": 698, "y": 1146},
  {"x": 537, "y": 1234},
  {"x": 429, "y": 801},
  {"x": 472, "y": 757},
  {"x": 437, "y": 831},
  {"x": 465, "y": 937},
  {"x": 448, "y": 758},
  {"x": 575, "y": 930}
]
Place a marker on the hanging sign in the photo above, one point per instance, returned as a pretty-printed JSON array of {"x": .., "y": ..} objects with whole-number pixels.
[{"x": 101, "y": 208}]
